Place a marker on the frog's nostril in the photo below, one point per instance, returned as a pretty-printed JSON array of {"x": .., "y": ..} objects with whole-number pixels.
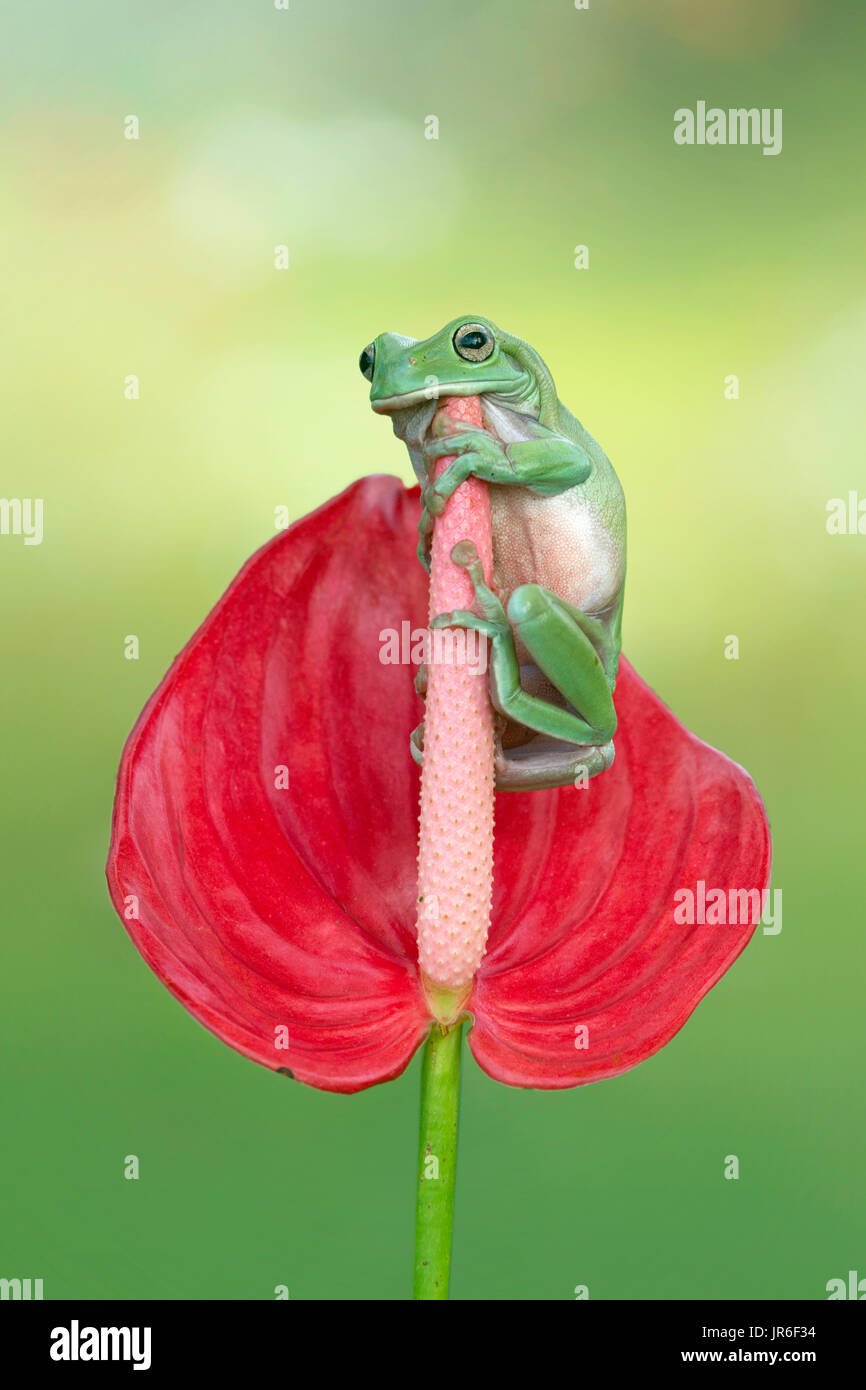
[{"x": 367, "y": 361}]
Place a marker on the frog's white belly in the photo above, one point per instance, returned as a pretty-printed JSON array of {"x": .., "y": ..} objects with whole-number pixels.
[{"x": 557, "y": 542}]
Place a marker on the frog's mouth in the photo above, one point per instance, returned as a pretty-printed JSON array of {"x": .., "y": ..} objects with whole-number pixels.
[{"x": 426, "y": 395}]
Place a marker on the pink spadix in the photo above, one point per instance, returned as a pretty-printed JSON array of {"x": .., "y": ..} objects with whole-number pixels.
[{"x": 455, "y": 855}]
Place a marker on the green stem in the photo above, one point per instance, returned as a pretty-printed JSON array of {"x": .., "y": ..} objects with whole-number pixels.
[{"x": 437, "y": 1161}]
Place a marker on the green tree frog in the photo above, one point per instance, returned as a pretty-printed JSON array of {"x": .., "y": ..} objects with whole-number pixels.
[{"x": 554, "y": 611}]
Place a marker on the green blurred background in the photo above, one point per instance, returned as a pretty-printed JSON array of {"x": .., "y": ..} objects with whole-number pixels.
[{"x": 260, "y": 127}]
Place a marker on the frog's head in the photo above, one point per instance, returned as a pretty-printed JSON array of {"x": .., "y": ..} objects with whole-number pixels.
[{"x": 469, "y": 357}]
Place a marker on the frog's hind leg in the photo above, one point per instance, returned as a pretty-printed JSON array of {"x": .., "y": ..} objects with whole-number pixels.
[
  {"x": 556, "y": 636},
  {"x": 574, "y": 652}
]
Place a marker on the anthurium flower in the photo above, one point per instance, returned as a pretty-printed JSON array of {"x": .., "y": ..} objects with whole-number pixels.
[{"x": 263, "y": 854}]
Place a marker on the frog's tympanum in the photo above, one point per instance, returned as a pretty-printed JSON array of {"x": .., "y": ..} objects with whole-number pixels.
[{"x": 558, "y": 517}]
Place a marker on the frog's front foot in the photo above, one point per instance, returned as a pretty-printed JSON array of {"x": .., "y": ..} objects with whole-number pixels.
[{"x": 477, "y": 454}]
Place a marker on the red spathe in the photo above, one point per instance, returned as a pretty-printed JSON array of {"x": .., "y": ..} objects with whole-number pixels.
[{"x": 268, "y": 909}]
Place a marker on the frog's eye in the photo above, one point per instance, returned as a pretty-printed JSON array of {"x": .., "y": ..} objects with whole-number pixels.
[
  {"x": 367, "y": 361},
  {"x": 474, "y": 342}
]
